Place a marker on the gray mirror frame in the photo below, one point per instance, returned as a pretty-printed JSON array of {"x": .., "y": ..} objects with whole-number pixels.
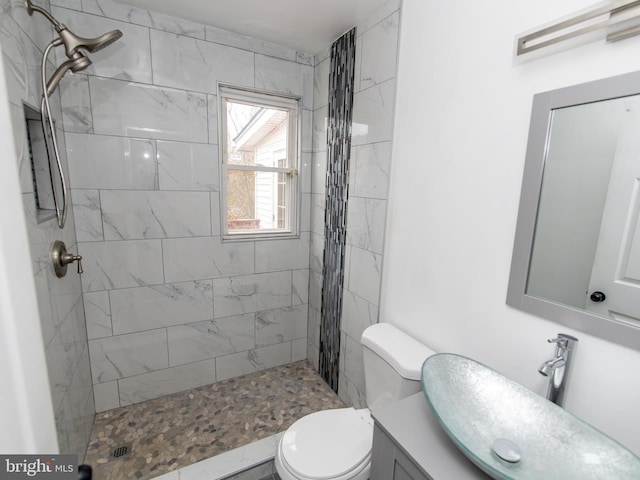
[{"x": 541, "y": 117}]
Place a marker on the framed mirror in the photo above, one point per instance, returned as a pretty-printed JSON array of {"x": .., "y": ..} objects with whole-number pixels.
[{"x": 576, "y": 255}]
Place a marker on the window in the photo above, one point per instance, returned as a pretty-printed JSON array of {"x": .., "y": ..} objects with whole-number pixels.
[{"x": 259, "y": 158}]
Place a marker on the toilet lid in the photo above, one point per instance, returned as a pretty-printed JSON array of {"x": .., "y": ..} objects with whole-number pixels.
[{"x": 328, "y": 444}]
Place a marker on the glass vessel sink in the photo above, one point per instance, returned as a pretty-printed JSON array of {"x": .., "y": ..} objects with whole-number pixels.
[{"x": 510, "y": 432}]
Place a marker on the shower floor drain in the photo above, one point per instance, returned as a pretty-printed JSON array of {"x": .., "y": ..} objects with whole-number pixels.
[{"x": 120, "y": 452}]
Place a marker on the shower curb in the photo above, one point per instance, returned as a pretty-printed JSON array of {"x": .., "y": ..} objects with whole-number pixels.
[{"x": 252, "y": 461}]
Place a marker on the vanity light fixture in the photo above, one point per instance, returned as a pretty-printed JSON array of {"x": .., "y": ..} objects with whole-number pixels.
[{"x": 613, "y": 19}]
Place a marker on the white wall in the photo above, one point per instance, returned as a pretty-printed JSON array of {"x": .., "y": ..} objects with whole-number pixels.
[{"x": 462, "y": 117}]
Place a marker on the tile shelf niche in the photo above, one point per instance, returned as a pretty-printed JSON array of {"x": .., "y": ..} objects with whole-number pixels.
[{"x": 40, "y": 167}]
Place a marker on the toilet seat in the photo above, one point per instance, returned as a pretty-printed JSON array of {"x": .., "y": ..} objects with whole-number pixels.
[{"x": 328, "y": 445}]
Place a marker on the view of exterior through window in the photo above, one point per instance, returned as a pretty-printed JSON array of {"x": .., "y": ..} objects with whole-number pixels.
[{"x": 259, "y": 144}]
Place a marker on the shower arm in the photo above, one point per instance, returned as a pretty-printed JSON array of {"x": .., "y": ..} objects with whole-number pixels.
[
  {"x": 35, "y": 8},
  {"x": 61, "y": 214}
]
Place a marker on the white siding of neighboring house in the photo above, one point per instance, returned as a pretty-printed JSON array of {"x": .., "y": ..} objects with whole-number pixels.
[{"x": 272, "y": 148}]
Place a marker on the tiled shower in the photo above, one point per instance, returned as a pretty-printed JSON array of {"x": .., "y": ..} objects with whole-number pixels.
[{"x": 168, "y": 305}]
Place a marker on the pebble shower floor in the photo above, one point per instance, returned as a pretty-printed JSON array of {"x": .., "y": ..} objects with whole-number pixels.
[{"x": 167, "y": 433}]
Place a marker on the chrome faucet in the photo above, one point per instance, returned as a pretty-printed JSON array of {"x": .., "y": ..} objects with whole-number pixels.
[{"x": 557, "y": 369}]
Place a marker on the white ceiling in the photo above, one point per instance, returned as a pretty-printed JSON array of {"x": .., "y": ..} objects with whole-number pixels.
[{"x": 306, "y": 25}]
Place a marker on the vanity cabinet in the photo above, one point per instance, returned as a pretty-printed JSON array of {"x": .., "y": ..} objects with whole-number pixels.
[{"x": 410, "y": 444}]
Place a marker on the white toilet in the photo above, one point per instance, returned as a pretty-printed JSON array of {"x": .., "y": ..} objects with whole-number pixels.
[{"x": 336, "y": 444}]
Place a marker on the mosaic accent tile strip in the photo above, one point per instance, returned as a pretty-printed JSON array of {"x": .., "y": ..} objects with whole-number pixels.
[
  {"x": 341, "y": 85},
  {"x": 168, "y": 433}
]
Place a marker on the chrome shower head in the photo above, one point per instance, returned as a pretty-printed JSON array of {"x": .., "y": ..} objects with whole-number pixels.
[
  {"x": 78, "y": 63},
  {"x": 73, "y": 42}
]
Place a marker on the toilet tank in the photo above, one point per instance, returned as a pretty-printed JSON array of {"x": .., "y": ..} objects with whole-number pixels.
[{"x": 392, "y": 364}]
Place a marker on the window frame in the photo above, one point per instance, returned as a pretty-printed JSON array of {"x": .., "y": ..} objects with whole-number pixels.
[{"x": 290, "y": 103}]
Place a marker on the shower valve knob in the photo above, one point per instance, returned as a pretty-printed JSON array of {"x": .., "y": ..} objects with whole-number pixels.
[
  {"x": 61, "y": 258},
  {"x": 77, "y": 258}
]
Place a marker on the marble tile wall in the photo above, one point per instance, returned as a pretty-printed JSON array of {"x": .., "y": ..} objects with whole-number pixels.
[
  {"x": 318, "y": 178},
  {"x": 59, "y": 300},
  {"x": 372, "y": 132},
  {"x": 373, "y": 110},
  {"x": 169, "y": 306}
]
